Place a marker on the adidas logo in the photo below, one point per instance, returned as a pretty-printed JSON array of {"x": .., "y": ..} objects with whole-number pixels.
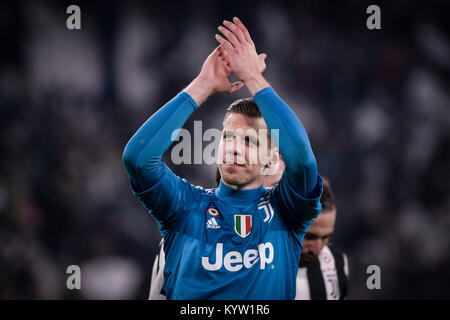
[{"x": 212, "y": 224}]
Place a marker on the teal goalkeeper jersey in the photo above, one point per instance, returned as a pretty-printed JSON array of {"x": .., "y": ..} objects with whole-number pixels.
[{"x": 225, "y": 243}]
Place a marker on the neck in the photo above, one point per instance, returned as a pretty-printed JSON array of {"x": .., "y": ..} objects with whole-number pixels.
[
  {"x": 238, "y": 196},
  {"x": 252, "y": 185}
]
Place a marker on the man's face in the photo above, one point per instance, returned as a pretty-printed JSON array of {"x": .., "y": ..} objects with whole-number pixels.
[
  {"x": 317, "y": 236},
  {"x": 239, "y": 163}
]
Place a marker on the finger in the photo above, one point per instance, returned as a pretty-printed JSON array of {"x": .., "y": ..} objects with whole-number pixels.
[
  {"x": 217, "y": 50},
  {"x": 226, "y": 45},
  {"x": 239, "y": 23},
  {"x": 236, "y": 86},
  {"x": 231, "y": 37},
  {"x": 226, "y": 66},
  {"x": 225, "y": 62},
  {"x": 224, "y": 52},
  {"x": 262, "y": 62},
  {"x": 228, "y": 69},
  {"x": 225, "y": 57},
  {"x": 236, "y": 30},
  {"x": 215, "y": 53}
]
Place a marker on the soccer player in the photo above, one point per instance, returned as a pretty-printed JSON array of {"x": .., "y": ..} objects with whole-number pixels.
[
  {"x": 323, "y": 271},
  {"x": 240, "y": 240}
]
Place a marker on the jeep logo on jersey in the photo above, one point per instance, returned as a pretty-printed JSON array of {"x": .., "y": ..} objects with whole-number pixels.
[
  {"x": 234, "y": 261},
  {"x": 213, "y": 211},
  {"x": 242, "y": 224}
]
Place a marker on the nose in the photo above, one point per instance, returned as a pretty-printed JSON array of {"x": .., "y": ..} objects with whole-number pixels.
[
  {"x": 238, "y": 146},
  {"x": 316, "y": 246},
  {"x": 234, "y": 149}
]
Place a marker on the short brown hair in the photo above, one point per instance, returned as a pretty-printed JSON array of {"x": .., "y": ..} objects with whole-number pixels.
[
  {"x": 327, "y": 199},
  {"x": 245, "y": 106}
]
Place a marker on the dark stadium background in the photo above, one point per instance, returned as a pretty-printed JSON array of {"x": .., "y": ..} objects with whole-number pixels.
[{"x": 376, "y": 105}]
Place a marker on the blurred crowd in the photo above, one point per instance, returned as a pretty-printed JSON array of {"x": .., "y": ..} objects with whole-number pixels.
[{"x": 376, "y": 105}]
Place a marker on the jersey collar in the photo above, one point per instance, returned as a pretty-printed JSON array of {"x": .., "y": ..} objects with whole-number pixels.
[{"x": 226, "y": 193}]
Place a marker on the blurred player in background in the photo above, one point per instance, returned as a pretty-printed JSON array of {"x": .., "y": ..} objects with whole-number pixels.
[
  {"x": 323, "y": 270},
  {"x": 240, "y": 240}
]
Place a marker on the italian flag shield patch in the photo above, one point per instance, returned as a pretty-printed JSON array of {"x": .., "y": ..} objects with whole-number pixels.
[{"x": 242, "y": 224}]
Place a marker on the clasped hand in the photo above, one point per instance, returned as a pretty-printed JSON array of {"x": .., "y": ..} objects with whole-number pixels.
[{"x": 236, "y": 53}]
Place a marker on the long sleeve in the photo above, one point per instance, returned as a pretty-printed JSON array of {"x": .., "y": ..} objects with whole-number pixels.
[
  {"x": 142, "y": 154},
  {"x": 158, "y": 188},
  {"x": 304, "y": 186}
]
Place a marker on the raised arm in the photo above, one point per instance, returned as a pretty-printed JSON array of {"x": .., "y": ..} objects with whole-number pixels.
[
  {"x": 301, "y": 166},
  {"x": 142, "y": 154}
]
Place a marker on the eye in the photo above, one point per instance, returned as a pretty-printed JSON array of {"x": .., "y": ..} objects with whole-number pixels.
[
  {"x": 251, "y": 141},
  {"x": 228, "y": 136}
]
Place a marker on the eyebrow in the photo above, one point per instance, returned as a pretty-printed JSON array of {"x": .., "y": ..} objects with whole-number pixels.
[
  {"x": 232, "y": 131},
  {"x": 253, "y": 138}
]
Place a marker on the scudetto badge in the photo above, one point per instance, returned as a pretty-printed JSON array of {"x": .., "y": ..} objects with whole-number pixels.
[{"x": 243, "y": 224}]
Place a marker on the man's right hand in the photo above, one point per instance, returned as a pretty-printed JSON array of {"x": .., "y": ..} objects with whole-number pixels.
[
  {"x": 213, "y": 78},
  {"x": 245, "y": 62}
]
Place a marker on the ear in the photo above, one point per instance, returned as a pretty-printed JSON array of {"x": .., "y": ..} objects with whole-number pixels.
[
  {"x": 272, "y": 161},
  {"x": 273, "y": 164}
]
